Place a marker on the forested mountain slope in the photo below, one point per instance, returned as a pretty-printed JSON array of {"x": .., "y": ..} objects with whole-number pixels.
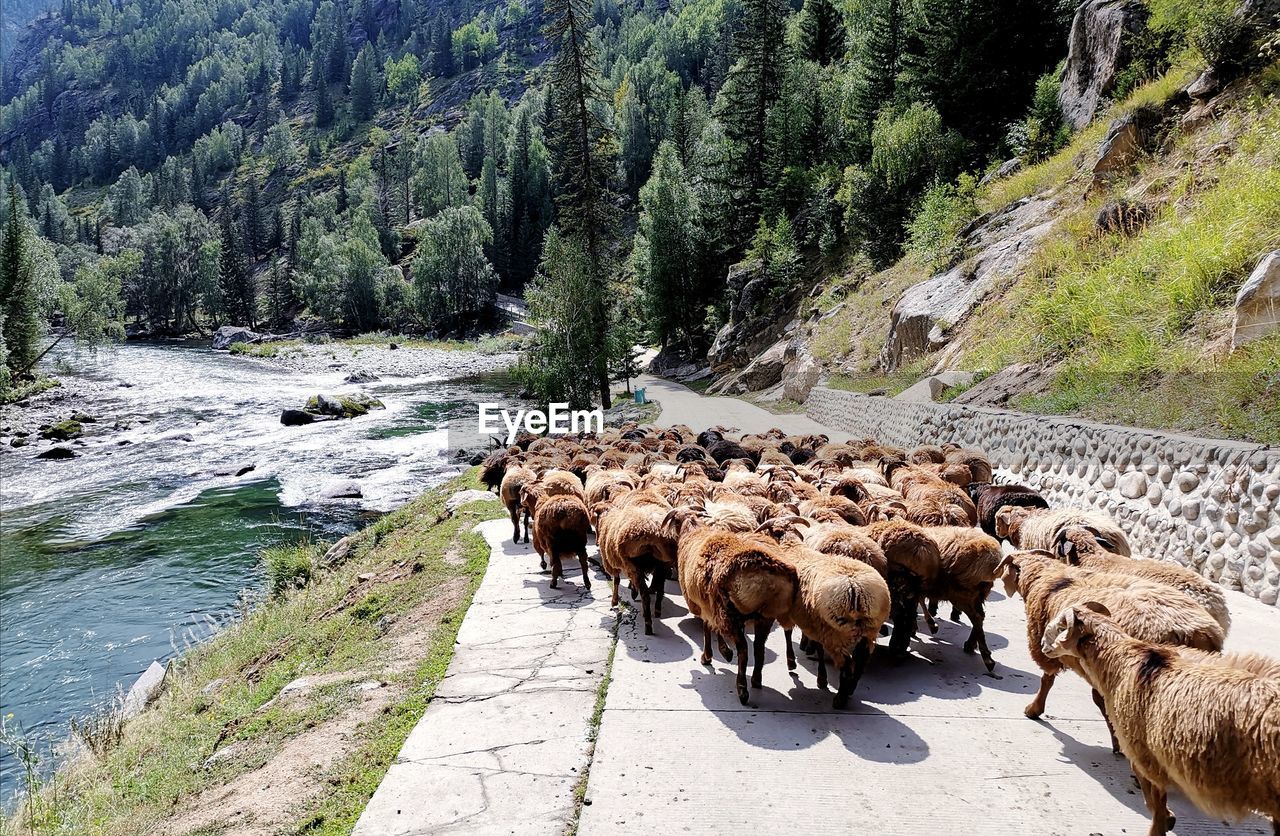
[{"x": 677, "y": 173}]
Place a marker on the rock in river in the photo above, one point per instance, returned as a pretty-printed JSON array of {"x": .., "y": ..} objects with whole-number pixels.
[
  {"x": 228, "y": 334},
  {"x": 57, "y": 453}
]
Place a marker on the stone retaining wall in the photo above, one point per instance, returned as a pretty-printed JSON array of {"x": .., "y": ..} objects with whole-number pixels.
[{"x": 1208, "y": 504}]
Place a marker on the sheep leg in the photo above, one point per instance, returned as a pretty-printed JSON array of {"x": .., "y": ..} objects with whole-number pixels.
[
  {"x": 851, "y": 673},
  {"x": 791, "y": 651},
  {"x": 617, "y": 581},
  {"x": 527, "y": 526},
  {"x": 1158, "y": 802},
  {"x": 955, "y": 613},
  {"x": 822, "y": 667},
  {"x": 978, "y": 636},
  {"x": 1101, "y": 703},
  {"x": 515, "y": 525},
  {"x": 928, "y": 617},
  {"x": 763, "y": 627},
  {"x": 556, "y": 569},
  {"x": 1036, "y": 707},
  {"x": 706, "y": 644},
  {"x": 740, "y": 642},
  {"x": 657, "y": 587},
  {"x": 725, "y": 650},
  {"x": 582, "y": 558},
  {"x": 806, "y": 644},
  {"x": 648, "y": 613}
]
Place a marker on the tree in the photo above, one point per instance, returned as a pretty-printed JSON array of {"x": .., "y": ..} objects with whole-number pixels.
[
  {"x": 280, "y": 146},
  {"x": 585, "y": 196},
  {"x": 439, "y": 181},
  {"x": 323, "y": 99},
  {"x": 92, "y": 301},
  {"x": 124, "y": 199},
  {"x": 403, "y": 78},
  {"x": 238, "y": 298},
  {"x": 18, "y": 292},
  {"x": 666, "y": 249},
  {"x": 753, "y": 85},
  {"x": 453, "y": 280},
  {"x": 251, "y": 212},
  {"x": 365, "y": 84},
  {"x": 879, "y": 60},
  {"x": 280, "y": 297},
  {"x": 821, "y": 32}
]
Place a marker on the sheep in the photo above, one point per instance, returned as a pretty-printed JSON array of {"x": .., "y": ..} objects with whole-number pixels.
[
  {"x": 1210, "y": 729},
  {"x": 729, "y": 580},
  {"x": 1146, "y": 610},
  {"x": 1036, "y": 528},
  {"x": 494, "y": 468},
  {"x": 975, "y": 460},
  {"x": 968, "y": 567},
  {"x": 1256, "y": 663},
  {"x": 841, "y": 604},
  {"x": 635, "y": 541},
  {"x": 1080, "y": 547},
  {"x": 991, "y": 498},
  {"x": 560, "y": 527},
  {"x": 513, "y": 482},
  {"x": 914, "y": 562}
]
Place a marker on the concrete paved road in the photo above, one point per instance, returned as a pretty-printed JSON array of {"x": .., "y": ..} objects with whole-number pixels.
[
  {"x": 502, "y": 745},
  {"x": 682, "y": 405},
  {"x": 941, "y": 748}
]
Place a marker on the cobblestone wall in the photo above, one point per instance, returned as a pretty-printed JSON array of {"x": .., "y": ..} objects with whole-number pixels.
[{"x": 1208, "y": 504}]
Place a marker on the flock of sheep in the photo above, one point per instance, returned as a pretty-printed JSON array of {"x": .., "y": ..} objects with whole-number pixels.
[{"x": 840, "y": 538}]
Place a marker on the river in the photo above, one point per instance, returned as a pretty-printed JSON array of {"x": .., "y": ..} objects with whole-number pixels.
[{"x": 144, "y": 542}]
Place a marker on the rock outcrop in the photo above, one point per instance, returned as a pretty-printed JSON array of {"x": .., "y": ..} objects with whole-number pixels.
[
  {"x": 324, "y": 407},
  {"x": 227, "y": 335},
  {"x": 1258, "y": 302},
  {"x": 924, "y": 315},
  {"x": 1099, "y": 48},
  {"x": 753, "y": 325}
]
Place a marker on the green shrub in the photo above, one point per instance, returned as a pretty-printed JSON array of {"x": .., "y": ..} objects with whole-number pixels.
[
  {"x": 1210, "y": 27},
  {"x": 933, "y": 235},
  {"x": 288, "y": 567},
  {"x": 1043, "y": 132}
]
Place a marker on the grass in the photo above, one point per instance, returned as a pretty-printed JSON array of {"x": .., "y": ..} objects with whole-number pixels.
[
  {"x": 23, "y": 391},
  {"x": 1138, "y": 323},
  {"x": 289, "y": 567},
  {"x": 495, "y": 344},
  {"x": 593, "y": 731},
  {"x": 161, "y": 762},
  {"x": 887, "y": 383}
]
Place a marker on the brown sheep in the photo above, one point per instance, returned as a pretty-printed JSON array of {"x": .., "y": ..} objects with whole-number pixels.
[
  {"x": 914, "y": 562},
  {"x": 635, "y": 541},
  {"x": 1079, "y": 547},
  {"x": 730, "y": 580},
  {"x": 1147, "y": 610},
  {"x": 841, "y": 605},
  {"x": 969, "y": 565},
  {"x": 991, "y": 498},
  {"x": 513, "y": 482},
  {"x": 560, "y": 527},
  {"x": 1036, "y": 528},
  {"x": 1210, "y": 729}
]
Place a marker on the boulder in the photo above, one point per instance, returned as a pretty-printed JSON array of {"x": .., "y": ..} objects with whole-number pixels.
[
  {"x": 361, "y": 377},
  {"x": 801, "y": 373},
  {"x": 296, "y": 417},
  {"x": 144, "y": 690},
  {"x": 1205, "y": 85},
  {"x": 765, "y": 370},
  {"x": 228, "y": 334},
  {"x": 1006, "y": 384},
  {"x": 1127, "y": 138},
  {"x": 1098, "y": 48},
  {"x": 61, "y": 431},
  {"x": 323, "y": 407},
  {"x": 922, "y": 318},
  {"x": 57, "y": 454},
  {"x": 461, "y": 498},
  {"x": 1258, "y": 302},
  {"x": 929, "y": 389}
]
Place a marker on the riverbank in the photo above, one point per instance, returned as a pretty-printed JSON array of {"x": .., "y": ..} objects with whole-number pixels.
[
  {"x": 287, "y": 720},
  {"x": 394, "y": 356}
]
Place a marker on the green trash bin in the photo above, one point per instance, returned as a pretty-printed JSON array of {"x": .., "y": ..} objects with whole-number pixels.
[{"x": 639, "y": 393}]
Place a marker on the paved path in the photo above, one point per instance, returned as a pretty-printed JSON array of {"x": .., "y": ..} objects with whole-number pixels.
[
  {"x": 938, "y": 747},
  {"x": 682, "y": 405},
  {"x": 502, "y": 745}
]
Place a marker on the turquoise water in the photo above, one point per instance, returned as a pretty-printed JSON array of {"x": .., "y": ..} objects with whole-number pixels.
[{"x": 132, "y": 552}]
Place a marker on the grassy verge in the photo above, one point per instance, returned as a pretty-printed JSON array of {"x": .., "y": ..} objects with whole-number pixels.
[
  {"x": 495, "y": 344},
  {"x": 885, "y": 383},
  {"x": 386, "y": 614},
  {"x": 593, "y": 731},
  {"x": 265, "y": 349},
  {"x": 27, "y": 390}
]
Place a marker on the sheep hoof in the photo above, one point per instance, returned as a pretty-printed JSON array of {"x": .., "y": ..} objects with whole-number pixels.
[
  {"x": 544, "y": 563},
  {"x": 1033, "y": 711},
  {"x": 990, "y": 663},
  {"x": 555, "y": 584},
  {"x": 743, "y": 694},
  {"x": 840, "y": 703},
  {"x": 705, "y": 659},
  {"x": 756, "y": 682},
  {"x": 969, "y": 647},
  {"x": 648, "y": 631}
]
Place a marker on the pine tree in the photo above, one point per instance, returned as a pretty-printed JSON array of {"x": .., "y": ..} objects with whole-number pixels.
[
  {"x": 666, "y": 248},
  {"x": 365, "y": 84},
  {"x": 879, "y": 61},
  {"x": 343, "y": 199},
  {"x": 752, "y": 88},
  {"x": 822, "y": 32},
  {"x": 323, "y": 101},
  {"x": 17, "y": 291},
  {"x": 442, "y": 48},
  {"x": 233, "y": 274},
  {"x": 585, "y": 198},
  {"x": 251, "y": 211}
]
